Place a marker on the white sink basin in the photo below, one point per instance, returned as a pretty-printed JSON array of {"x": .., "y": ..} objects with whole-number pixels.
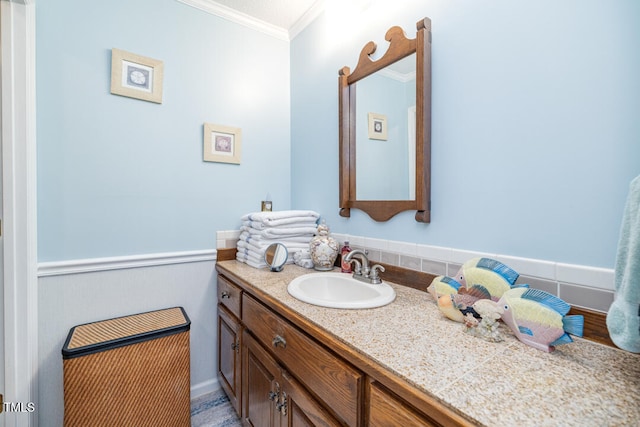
[{"x": 340, "y": 290}]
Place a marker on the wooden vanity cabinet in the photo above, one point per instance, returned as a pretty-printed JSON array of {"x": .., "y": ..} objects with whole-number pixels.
[
  {"x": 272, "y": 397},
  {"x": 282, "y": 375},
  {"x": 336, "y": 383},
  {"x": 229, "y": 340}
]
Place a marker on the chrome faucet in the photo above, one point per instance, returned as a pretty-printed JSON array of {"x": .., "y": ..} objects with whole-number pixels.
[{"x": 361, "y": 270}]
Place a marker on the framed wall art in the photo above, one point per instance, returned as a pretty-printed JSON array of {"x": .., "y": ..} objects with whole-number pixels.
[
  {"x": 377, "y": 126},
  {"x": 222, "y": 144},
  {"x": 136, "y": 76}
]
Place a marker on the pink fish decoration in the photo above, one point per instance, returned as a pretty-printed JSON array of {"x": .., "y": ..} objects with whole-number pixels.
[{"x": 539, "y": 319}]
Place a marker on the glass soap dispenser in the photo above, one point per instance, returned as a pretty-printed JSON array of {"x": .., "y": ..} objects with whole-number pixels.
[{"x": 345, "y": 266}]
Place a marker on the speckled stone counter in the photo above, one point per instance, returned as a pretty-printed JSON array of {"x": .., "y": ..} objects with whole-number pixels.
[{"x": 493, "y": 384}]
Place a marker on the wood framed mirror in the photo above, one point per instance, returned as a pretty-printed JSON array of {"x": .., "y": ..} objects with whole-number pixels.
[{"x": 385, "y": 128}]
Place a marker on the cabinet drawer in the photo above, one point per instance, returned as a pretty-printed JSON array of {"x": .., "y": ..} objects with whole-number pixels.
[
  {"x": 386, "y": 410},
  {"x": 229, "y": 295},
  {"x": 334, "y": 382}
]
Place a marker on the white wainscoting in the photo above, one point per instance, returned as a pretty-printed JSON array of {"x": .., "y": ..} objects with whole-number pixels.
[{"x": 77, "y": 292}]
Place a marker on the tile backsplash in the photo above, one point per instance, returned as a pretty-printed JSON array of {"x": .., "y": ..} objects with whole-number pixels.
[{"x": 581, "y": 286}]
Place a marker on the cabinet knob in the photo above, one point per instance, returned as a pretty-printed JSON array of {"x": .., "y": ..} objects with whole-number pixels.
[
  {"x": 224, "y": 295},
  {"x": 279, "y": 341}
]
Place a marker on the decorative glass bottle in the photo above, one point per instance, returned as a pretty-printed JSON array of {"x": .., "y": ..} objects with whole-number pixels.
[
  {"x": 345, "y": 266},
  {"x": 323, "y": 249}
]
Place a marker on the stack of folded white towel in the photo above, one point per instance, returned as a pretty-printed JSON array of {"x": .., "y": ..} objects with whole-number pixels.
[{"x": 293, "y": 228}]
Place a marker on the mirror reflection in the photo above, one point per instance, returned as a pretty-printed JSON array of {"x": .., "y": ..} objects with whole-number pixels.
[
  {"x": 386, "y": 133},
  {"x": 276, "y": 256}
]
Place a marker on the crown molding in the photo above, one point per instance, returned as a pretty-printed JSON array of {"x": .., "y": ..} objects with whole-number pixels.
[
  {"x": 233, "y": 15},
  {"x": 238, "y": 17},
  {"x": 316, "y": 9}
]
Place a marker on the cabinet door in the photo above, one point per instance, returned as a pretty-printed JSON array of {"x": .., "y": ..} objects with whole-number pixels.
[
  {"x": 387, "y": 410},
  {"x": 229, "y": 360},
  {"x": 301, "y": 409},
  {"x": 335, "y": 383},
  {"x": 260, "y": 384}
]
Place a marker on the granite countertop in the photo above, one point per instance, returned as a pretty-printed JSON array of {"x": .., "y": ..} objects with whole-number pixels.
[{"x": 493, "y": 384}]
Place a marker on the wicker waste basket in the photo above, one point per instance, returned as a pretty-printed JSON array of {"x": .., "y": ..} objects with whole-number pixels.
[{"x": 128, "y": 371}]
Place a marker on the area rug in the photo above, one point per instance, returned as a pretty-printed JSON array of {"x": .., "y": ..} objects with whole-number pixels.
[{"x": 213, "y": 410}]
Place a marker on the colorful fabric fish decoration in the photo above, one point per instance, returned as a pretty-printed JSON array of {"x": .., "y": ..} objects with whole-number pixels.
[
  {"x": 457, "y": 306},
  {"x": 494, "y": 276},
  {"x": 443, "y": 285},
  {"x": 454, "y": 300},
  {"x": 448, "y": 308},
  {"x": 539, "y": 319}
]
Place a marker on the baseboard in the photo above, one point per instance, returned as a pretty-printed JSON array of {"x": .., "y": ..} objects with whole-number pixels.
[{"x": 205, "y": 387}]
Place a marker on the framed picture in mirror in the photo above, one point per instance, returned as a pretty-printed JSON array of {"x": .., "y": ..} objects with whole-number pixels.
[
  {"x": 377, "y": 126},
  {"x": 222, "y": 144}
]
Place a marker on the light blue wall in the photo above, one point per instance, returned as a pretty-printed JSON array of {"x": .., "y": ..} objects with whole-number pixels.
[
  {"x": 535, "y": 125},
  {"x": 536, "y": 132},
  {"x": 120, "y": 176}
]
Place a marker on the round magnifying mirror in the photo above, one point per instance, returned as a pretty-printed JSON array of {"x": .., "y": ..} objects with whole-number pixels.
[{"x": 276, "y": 256}]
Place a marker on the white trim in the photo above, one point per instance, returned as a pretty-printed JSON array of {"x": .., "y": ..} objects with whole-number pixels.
[
  {"x": 398, "y": 76},
  {"x": 59, "y": 268},
  {"x": 205, "y": 387},
  {"x": 238, "y": 17},
  {"x": 233, "y": 15},
  {"x": 316, "y": 10},
  {"x": 19, "y": 207}
]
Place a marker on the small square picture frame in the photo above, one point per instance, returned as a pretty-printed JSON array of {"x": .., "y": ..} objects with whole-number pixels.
[
  {"x": 222, "y": 144},
  {"x": 377, "y": 126},
  {"x": 136, "y": 76}
]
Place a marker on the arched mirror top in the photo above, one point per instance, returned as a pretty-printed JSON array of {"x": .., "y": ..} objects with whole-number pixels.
[{"x": 385, "y": 129}]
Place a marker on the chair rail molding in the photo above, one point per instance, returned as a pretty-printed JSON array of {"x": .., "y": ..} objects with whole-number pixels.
[{"x": 60, "y": 268}]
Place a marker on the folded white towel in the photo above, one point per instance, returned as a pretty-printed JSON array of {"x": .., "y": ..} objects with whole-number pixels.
[
  {"x": 260, "y": 246},
  {"x": 255, "y": 259},
  {"x": 248, "y": 254},
  {"x": 252, "y": 263},
  {"x": 246, "y": 245},
  {"x": 282, "y": 223},
  {"x": 257, "y": 256},
  {"x": 276, "y": 233},
  {"x": 267, "y": 217},
  {"x": 259, "y": 240}
]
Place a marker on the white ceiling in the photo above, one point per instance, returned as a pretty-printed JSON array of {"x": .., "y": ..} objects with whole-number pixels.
[{"x": 280, "y": 13}]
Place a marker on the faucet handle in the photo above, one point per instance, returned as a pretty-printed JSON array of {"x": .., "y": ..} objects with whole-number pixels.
[
  {"x": 357, "y": 267},
  {"x": 374, "y": 274}
]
